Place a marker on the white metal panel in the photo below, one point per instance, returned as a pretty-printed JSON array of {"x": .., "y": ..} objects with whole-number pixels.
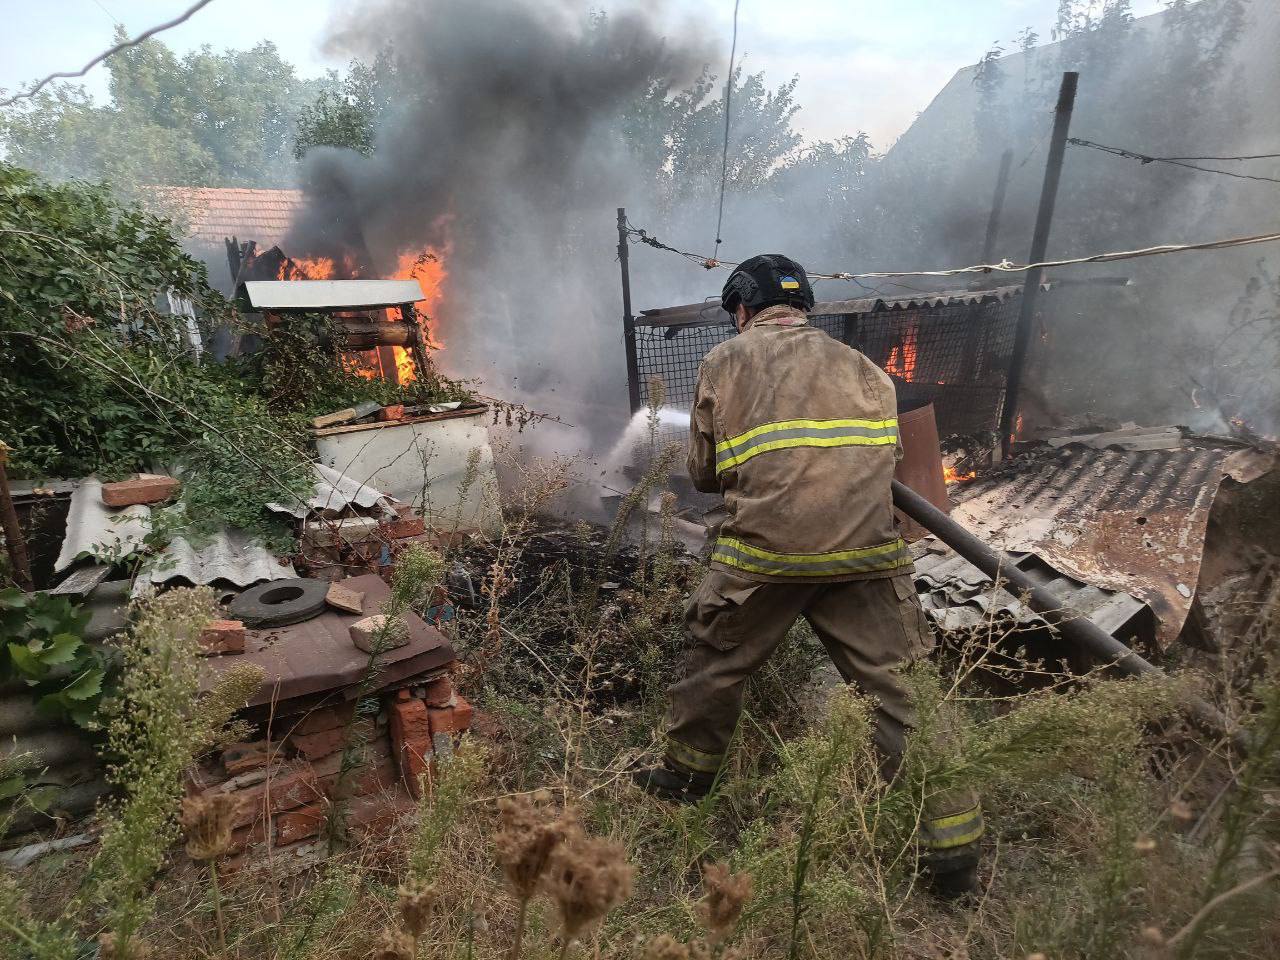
[
  {"x": 331, "y": 294},
  {"x": 424, "y": 463}
]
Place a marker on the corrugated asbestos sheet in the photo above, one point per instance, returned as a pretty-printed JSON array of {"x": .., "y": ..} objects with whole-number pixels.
[
  {"x": 335, "y": 492},
  {"x": 110, "y": 534},
  {"x": 229, "y": 556},
  {"x": 1127, "y": 521},
  {"x": 708, "y": 312},
  {"x": 99, "y": 530},
  {"x": 958, "y": 596}
]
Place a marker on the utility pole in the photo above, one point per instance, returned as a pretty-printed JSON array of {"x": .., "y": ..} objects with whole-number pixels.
[
  {"x": 628, "y": 321},
  {"x": 1039, "y": 244}
]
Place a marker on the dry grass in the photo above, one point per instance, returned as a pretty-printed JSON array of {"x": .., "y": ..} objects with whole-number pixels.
[{"x": 1114, "y": 830}]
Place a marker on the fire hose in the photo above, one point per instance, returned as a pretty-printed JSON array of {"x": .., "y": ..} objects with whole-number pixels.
[{"x": 1076, "y": 629}]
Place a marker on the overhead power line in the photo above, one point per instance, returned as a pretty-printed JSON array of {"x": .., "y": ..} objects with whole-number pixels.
[
  {"x": 724, "y": 157},
  {"x": 64, "y": 75},
  {"x": 1004, "y": 266},
  {"x": 1175, "y": 161}
]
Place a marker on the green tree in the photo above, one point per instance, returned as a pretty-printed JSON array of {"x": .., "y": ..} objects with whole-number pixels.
[
  {"x": 349, "y": 115},
  {"x": 207, "y": 118}
]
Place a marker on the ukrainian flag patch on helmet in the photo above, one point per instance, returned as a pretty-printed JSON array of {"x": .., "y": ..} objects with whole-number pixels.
[{"x": 789, "y": 283}]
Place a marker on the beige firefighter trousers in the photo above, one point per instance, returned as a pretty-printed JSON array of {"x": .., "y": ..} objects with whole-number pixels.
[{"x": 871, "y": 630}]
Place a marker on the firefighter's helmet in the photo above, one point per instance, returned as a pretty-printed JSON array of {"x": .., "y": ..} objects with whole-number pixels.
[{"x": 765, "y": 280}]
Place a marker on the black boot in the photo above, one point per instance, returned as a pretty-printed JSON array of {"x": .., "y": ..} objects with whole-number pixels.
[
  {"x": 954, "y": 884},
  {"x": 671, "y": 784}
]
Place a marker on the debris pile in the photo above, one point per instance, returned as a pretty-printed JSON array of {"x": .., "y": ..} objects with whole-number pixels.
[{"x": 344, "y": 736}]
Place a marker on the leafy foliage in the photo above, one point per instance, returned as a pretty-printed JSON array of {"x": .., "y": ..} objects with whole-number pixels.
[
  {"x": 44, "y": 648},
  {"x": 349, "y": 116},
  {"x": 100, "y": 381}
]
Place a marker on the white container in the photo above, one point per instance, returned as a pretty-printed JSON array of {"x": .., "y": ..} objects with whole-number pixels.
[{"x": 422, "y": 461}]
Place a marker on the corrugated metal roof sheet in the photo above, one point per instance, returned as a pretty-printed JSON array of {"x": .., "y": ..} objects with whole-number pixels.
[
  {"x": 1129, "y": 521},
  {"x": 331, "y": 294},
  {"x": 213, "y": 213},
  {"x": 335, "y": 492},
  {"x": 709, "y": 313}
]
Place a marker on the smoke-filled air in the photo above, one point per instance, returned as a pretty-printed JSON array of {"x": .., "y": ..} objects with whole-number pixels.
[{"x": 640, "y": 480}]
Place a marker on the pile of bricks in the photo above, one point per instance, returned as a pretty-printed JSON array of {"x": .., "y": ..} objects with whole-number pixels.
[
  {"x": 334, "y": 548},
  {"x": 289, "y": 779}
]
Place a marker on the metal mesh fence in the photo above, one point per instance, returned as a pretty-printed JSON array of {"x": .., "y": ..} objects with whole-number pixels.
[{"x": 954, "y": 355}]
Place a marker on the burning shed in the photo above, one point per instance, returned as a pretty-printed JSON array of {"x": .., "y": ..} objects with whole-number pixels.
[{"x": 950, "y": 348}]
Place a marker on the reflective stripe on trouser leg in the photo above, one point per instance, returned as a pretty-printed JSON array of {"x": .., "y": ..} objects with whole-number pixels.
[
  {"x": 956, "y": 830},
  {"x": 686, "y": 758}
]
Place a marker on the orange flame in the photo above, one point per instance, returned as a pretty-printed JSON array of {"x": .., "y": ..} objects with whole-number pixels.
[
  {"x": 902, "y": 358},
  {"x": 428, "y": 268},
  {"x": 952, "y": 475}
]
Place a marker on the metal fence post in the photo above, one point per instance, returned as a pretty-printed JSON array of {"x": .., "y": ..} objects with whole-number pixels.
[
  {"x": 1039, "y": 243},
  {"x": 628, "y": 321}
]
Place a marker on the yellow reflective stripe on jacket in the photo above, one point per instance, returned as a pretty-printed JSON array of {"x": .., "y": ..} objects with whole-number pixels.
[
  {"x": 783, "y": 434},
  {"x": 944, "y": 833},
  {"x": 698, "y": 761},
  {"x": 884, "y": 556}
]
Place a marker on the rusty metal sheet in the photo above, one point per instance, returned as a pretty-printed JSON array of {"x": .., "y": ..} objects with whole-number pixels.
[
  {"x": 1128, "y": 521},
  {"x": 317, "y": 656},
  {"x": 957, "y": 596}
]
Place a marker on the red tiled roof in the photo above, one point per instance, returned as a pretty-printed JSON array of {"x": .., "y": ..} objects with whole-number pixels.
[{"x": 211, "y": 213}]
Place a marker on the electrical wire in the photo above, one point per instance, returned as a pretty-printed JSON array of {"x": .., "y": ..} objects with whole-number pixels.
[
  {"x": 1174, "y": 161},
  {"x": 724, "y": 157},
  {"x": 64, "y": 75},
  {"x": 1256, "y": 156},
  {"x": 1004, "y": 266}
]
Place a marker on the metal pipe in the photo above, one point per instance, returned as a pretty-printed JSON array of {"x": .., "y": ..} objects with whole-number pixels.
[
  {"x": 628, "y": 321},
  {"x": 999, "y": 566},
  {"x": 1039, "y": 244}
]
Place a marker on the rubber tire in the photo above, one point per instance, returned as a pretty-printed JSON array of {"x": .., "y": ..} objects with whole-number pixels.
[{"x": 299, "y": 600}]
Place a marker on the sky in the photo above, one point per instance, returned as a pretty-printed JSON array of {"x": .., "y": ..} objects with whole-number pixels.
[{"x": 868, "y": 65}]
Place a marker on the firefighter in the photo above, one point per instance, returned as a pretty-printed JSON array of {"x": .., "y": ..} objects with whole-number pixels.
[{"x": 799, "y": 433}]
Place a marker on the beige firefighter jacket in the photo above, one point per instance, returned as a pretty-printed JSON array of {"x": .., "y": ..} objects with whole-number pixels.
[{"x": 799, "y": 432}]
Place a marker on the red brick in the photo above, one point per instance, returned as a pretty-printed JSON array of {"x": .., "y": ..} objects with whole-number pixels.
[
  {"x": 245, "y": 837},
  {"x": 284, "y": 789},
  {"x": 241, "y": 757},
  {"x": 392, "y": 411},
  {"x": 314, "y": 746},
  {"x": 323, "y": 718},
  {"x": 404, "y": 527},
  {"x": 411, "y": 740},
  {"x": 301, "y": 824},
  {"x": 439, "y": 692},
  {"x": 222, "y": 636},
  {"x": 463, "y": 713},
  {"x": 443, "y": 720},
  {"x": 144, "y": 488}
]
